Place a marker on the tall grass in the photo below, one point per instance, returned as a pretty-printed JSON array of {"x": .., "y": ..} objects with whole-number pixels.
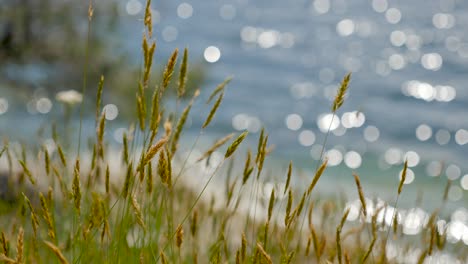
[{"x": 141, "y": 209}]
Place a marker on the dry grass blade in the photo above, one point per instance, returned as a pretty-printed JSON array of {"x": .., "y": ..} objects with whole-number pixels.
[
  {"x": 62, "y": 156},
  {"x": 47, "y": 216},
  {"x": 288, "y": 177},
  {"x": 141, "y": 112},
  {"x": 5, "y": 246},
  {"x": 339, "y": 98},
  {"x": 317, "y": 176},
  {"x": 99, "y": 96},
  {"x": 46, "y": 161},
  {"x": 169, "y": 70},
  {"x": 264, "y": 254},
  {"x": 128, "y": 180},
  {"x": 20, "y": 246},
  {"x": 219, "y": 89},
  {"x": 100, "y": 134},
  {"x": 403, "y": 177},
  {"x": 148, "y": 19},
  {"x": 57, "y": 252},
  {"x": 27, "y": 172},
  {"x": 361, "y": 194},
  {"x": 179, "y": 236},
  {"x": 153, "y": 150},
  {"x": 247, "y": 168},
  {"x": 288, "y": 208},
  {"x": 215, "y": 146},
  {"x": 271, "y": 204},
  {"x": 137, "y": 210},
  {"x": 213, "y": 111},
  {"x": 76, "y": 189},
  {"x": 232, "y": 148},
  {"x": 181, "y": 123},
  {"x": 183, "y": 74},
  {"x": 7, "y": 259},
  {"x": 155, "y": 113},
  {"x": 338, "y": 236}
]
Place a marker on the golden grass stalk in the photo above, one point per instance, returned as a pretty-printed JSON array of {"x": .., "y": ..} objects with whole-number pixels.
[
  {"x": 46, "y": 161},
  {"x": 99, "y": 96},
  {"x": 361, "y": 194},
  {"x": 307, "y": 249},
  {"x": 213, "y": 110},
  {"x": 218, "y": 89},
  {"x": 76, "y": 189},
  {"x": 57, "y": 252},
  {"x": 148, "y": 19},
  {"x": 62, "y": 155},
  {"x": 155, "y": 114},
  {"x": 137, "y": 211},
  {"x": 141, "y": 111},
  {"x": 168, "y": 169},
  {"x": 194, "y": 223},
  {"x": 264, "y": 254},
  {"x": 215, "y": 146},
  {"x": 169, "y": 70},
  {"x": 148, "y": 54},
  {"x": 6, "y": 259},
  {"x": 125, "y": 147},
  {"x": 232, "y": 148},
  {"x": 338, "y": 234},
  {"x": 260, "y": 145},
  {"x": 315, "y": 240},
  {"x": 90, "y": 11},
  {"x": 162, "y": 167},
  {"x": 34, "y": 220},
  {"x": 27, "y": 172},
  {"x": 347, "y": 259},
  {"x": 181, "y": 123},
  {"x": 5, "y": 244},
  {"x": 107, "y": 184},
  {"x": 369, "y": 250},
  {"x": 288, "y": 177},
  {"x": 163, "y": 258},
  {"x": 432, "y": 240},
  {"x": 183, "y": 75},
  {"x": 153, "y": 150},
  {"x": 395, "y": 225},
  {"x": 128, "y": 180},
  {"x": 446, "y": 191},
  {"x": 422, "y": 257},
  {"x": 288, "y": 208},
  {"x": 149, "y": 178},
  {"x": 339, "y": 98},
  {"x": 317, "y": 176},
  {"x": 403, "y": 177},
  {"x": 100, "y": 134},
  {"x": 243, "y": 247},
  {"x": 168, "y": 127},
  {"x": 271, "y": 204},
  {"x": 179, "y": 236},
  {"x": 261, "y": 156},
  {"x": 47, "y": 216},
  {"x": 20, "y": 246},
  {"x": 300, "y": 206},
  {"x": 247, "y": 168}
]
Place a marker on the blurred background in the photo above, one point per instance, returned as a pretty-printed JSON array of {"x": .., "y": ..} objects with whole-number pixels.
[{"x": 407, "y": 98}]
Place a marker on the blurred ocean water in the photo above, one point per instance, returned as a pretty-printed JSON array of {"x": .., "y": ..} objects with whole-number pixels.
[{"x": 407, "y": 98}]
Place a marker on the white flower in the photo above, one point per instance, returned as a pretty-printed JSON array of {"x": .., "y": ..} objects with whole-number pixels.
[{"x": 69, "y": 97}]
